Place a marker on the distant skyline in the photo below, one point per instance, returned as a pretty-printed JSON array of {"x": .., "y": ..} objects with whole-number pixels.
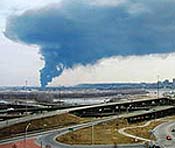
[{"x": 68, "y": 42}]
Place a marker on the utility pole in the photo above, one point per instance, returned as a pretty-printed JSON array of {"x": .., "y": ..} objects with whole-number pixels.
[
  {"x": 26, "y": 82},
  {"x": 41, "y": 144},
  {"x": 158, "y": 86},
  {"x": 25, "y": 135},
  {"x": 92, "y": 133}
]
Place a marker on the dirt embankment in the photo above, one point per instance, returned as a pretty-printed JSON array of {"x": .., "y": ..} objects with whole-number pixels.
[{"x": 41, "y": 125}]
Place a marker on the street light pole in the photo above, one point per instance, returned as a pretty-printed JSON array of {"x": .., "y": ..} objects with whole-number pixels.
[
  {"x": 92, "y": 133},
  {"x": 26, "y": 82},
  {"x": 25, "y": 135},
  {"x": 158, "y": 86}
]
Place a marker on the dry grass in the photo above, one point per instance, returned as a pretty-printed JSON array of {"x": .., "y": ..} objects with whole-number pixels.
[
  {"x": 42, "y": 124},
  {"x": 144, "y": 131},
  {"x": 169, "y": 118},
  {"x": 105, "y": 133}
]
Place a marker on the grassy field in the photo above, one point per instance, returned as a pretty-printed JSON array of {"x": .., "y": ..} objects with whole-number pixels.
[
  {"x": 104, "y": 133},
  {"x": 107, "y": 133},
  {"x": 56, "y": 121},
  {"x": 145, "y": 132}
]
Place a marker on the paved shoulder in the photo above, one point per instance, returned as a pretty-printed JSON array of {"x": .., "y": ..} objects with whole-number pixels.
[{"x": 162, "y": 131}]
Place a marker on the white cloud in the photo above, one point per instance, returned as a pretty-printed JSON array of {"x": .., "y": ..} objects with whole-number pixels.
[
  {"x": 18, "y": 63},
  {"x": 119, "y": 69}
]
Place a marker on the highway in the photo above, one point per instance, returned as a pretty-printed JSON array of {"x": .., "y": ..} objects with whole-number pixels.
[
  {"x": 57, "y": 112},
  {"x": 49, "y": 136},
  {"x": 162, "y": 131}
]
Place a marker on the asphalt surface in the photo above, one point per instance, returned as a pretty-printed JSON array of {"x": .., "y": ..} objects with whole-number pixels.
[
  {"x": 50, "y": 134},
  {"x": 57, "y": 112},
  {"x": 50, "y": 139},
  {"x": 162, "y": 131}
]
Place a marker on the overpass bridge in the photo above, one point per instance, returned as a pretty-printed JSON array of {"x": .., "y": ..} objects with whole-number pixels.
[
  {"x": 114, "y": 108},
  {"x": 10, "y": 116},
  {"x": 123, "y": 106},
  {"x": 154, "y": 113},
  {"x": 15, "y": 111}
]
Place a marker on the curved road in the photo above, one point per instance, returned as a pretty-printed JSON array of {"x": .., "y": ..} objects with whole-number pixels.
[
  {"x": 162, "y": 131},
  {"x": 61, "y": 111},
  {"x": 122, "y": 131},
  {"x": 51, "y": 138}
]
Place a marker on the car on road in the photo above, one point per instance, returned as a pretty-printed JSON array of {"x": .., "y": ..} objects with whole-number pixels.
[
  {"x": 173, "y": 130},
  {"x": 10, "y": 109},
  {"x": 168, "y": 137},
  {"x": 153, "y": 144},
  {"x": 156, "y": 146}
]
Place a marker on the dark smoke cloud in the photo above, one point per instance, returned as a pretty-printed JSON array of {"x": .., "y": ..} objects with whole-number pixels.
[{"x": 81, "y": 33}]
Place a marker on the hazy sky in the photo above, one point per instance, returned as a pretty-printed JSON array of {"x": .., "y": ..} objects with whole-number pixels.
[{"x": 86, "y": 41}]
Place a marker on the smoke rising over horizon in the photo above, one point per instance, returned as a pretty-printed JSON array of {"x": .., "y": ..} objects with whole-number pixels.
[{"x": 77, "y": 32}]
